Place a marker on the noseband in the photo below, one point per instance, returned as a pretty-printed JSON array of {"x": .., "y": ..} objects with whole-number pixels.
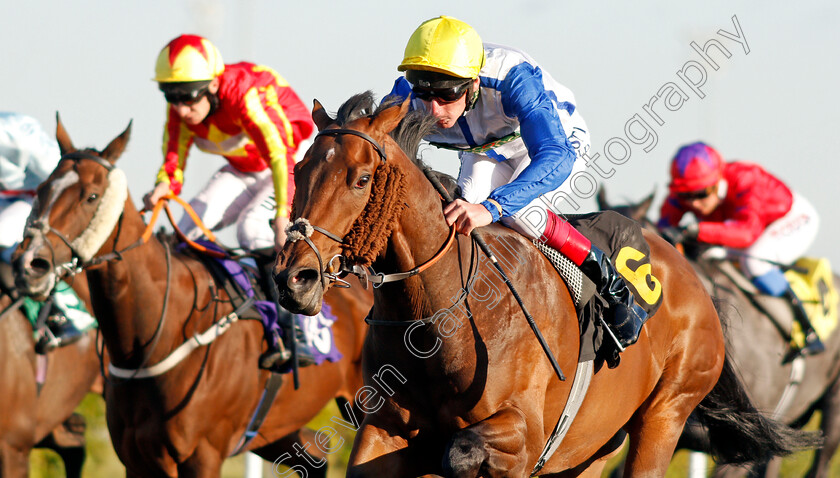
[
  {"x": 77, "y": 258},
  {"x": 301, "y": 228}
]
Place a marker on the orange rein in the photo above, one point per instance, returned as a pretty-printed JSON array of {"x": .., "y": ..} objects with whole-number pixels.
[
  {"x": 439, "y": 255},
  {"x": 163, "y": 203}
]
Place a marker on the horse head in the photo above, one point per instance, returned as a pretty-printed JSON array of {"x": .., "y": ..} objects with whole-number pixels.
[
  {"x": 350, "y": 192},
  {"x": 636, "y": 211},
  {"x": 74, "y": 213}
]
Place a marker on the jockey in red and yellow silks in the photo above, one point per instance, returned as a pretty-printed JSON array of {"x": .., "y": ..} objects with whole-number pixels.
[
  {"x": 259, "y": 123},
  {"x": 245, "y": 112},
  {"x": 250, "y": 115}
]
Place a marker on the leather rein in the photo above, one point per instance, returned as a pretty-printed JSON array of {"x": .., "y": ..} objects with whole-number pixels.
[{"x": 338, "y": 267}]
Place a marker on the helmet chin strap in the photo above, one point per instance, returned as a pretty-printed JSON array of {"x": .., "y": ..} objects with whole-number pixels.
[{"x": 472, "y": 97}]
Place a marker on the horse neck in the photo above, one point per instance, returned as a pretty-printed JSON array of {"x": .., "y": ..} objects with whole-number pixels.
[
  {"x": 421, "y": 232},
  {"x": 126, "y": 293}
]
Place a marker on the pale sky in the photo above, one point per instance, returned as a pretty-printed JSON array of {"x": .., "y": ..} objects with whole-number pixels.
[{"x": 776, "y": 104}]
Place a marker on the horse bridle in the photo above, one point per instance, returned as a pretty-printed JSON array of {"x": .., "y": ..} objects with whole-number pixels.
[
  {"x": 335, "y": 274},
  {"x": 77, "y": 263}
]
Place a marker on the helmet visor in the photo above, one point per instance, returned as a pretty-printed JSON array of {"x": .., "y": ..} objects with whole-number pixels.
[
  {"x": 427, "y": 85},
  {"x": 186, "y": 93}
]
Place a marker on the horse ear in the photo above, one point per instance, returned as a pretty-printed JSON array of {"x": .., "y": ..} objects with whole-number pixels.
[
  {"x": 65, "y": 146},
  {"x": 116, "y": 147},
  {"x": 643, "y": 207},
  {"x": 320, "y": 116},
  {"x": 387, "y": 120},
  {"x": 601, "y": 198}
]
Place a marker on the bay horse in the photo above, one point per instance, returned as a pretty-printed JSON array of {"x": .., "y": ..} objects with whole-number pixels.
[
  {"x": 792, "y": 389},
  {"x": 33, "y": 418},
  {"x": 148, "y": 301},
  {"x": 456, "y": 383}
]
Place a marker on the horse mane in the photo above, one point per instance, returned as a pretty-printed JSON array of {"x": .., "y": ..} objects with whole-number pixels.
[
  {"x": 370, "y": 232},
  {"x": 415, "y": 126}
]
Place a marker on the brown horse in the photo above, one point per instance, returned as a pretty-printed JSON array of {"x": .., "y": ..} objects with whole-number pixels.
[
  {"x": 792, "y": 389},
  {"x": 456, "y": 383},
  {"x": 33, "y": 418},
  {"x": 150, "y": 300}
]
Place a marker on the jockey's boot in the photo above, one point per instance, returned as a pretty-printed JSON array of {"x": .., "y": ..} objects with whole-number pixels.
[
  {"x": 813, "y": 344},
  {"x": 59, "y": 331},
  {"x": 627, "y": 317},
  {"x": 276, "y": 355},
  {"x": 280, "y": 351}
]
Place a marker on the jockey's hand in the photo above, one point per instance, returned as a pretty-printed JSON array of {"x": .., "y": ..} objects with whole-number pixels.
[
  {"x": 152, "y": 197},
  {"x": 679, "y": 235},
  {"x": 279, "y": 226},
  {"x": 672, "y": 234},
  {"x": 466, "y": 216}
]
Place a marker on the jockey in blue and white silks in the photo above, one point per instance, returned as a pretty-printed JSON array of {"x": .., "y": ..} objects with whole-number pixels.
[
  {"x": 520, "y": 137},
  {"x": 515, "y": 97},
  {"x": 27, "y": 156}
]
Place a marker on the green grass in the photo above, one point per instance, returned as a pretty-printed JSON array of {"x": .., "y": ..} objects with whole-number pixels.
[{"x": 102, "y": 461}]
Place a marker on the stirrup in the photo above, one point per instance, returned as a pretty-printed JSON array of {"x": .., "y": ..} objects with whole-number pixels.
[
  {"x": 813, "y": 345},
  {"x": 274, "y": 357}
]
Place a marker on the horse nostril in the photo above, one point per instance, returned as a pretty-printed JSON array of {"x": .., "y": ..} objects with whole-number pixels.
[
  {"x": 304, "y": 277},
  {"x": 39, "y": 266}
]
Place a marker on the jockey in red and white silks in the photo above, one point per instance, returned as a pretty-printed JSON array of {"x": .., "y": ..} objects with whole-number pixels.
[{"x": 756, "y": 213}]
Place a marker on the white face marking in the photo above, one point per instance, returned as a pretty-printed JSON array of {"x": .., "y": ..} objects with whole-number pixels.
[
  {"x": 58, "y": 187},
  {"x": 330, "y": 154}
]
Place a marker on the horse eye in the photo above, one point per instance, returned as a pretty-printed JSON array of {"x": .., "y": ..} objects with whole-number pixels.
[
  {"x": 363, "y": 181},
  {"x": 93, "y": 197}
]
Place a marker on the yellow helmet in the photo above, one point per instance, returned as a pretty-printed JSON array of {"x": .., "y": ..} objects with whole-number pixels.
[
  {"x": 188, "y": 58},
  {"x": 444, "y": 45}
]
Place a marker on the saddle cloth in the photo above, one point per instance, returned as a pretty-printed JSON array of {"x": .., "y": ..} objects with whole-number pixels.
[
  {"x": 243, "y": 279},
  {"x": 813, "y": 283},
  {"x": 622, "y": 240}
]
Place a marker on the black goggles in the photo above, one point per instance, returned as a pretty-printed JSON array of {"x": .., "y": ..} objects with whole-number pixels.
[
  {"x": 187, "y": 98},
  {"x": 694, "y": 195},
  {"x": 443, "y": 95}
]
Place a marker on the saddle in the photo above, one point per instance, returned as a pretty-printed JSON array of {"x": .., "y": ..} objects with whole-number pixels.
[
  {"x": 813, "y": 282},
  {"x": 247, "y": 278},
  {"x": 621, "y": 238}
]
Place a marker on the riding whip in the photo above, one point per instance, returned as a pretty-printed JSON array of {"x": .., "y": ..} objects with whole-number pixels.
[{"x": 476, "y": 236}]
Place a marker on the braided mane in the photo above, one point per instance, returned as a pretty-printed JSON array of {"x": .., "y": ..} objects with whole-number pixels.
[{"x": 369, "y": 234}]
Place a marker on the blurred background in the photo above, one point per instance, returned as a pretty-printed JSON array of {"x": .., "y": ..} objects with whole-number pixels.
[{"x": 773, "y": 100}]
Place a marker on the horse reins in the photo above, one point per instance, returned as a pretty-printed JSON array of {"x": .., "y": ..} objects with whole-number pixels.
[{"x": 334, "y": 274}]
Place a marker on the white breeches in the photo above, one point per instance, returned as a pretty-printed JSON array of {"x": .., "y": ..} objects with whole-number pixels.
[
  {"x": 13, "y": 215},
  {"x": 480, "y": 175},
  {"x": 233, "y": 197},
  {"x": 784, "y": 241}
]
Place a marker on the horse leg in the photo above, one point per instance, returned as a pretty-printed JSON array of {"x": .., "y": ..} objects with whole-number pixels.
[
  {"x": 378, "y": 451},
  {"x": 205, "y": 462},
  {"x": 492, "y": 447},
  {"x": 296, "y": 452},
  {"x": 654, "y": 430},
  {"x": 830, "y": 426},
  {"x": 14, "y": 461}
]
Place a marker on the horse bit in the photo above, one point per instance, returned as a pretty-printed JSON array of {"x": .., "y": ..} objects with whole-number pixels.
[{"x": 301, "y": 228}]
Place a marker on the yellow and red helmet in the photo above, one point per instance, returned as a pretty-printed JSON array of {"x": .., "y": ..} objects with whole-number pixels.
[
  {"x": 444, "y": 45},
  {"x": 188, "y": 58}
]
